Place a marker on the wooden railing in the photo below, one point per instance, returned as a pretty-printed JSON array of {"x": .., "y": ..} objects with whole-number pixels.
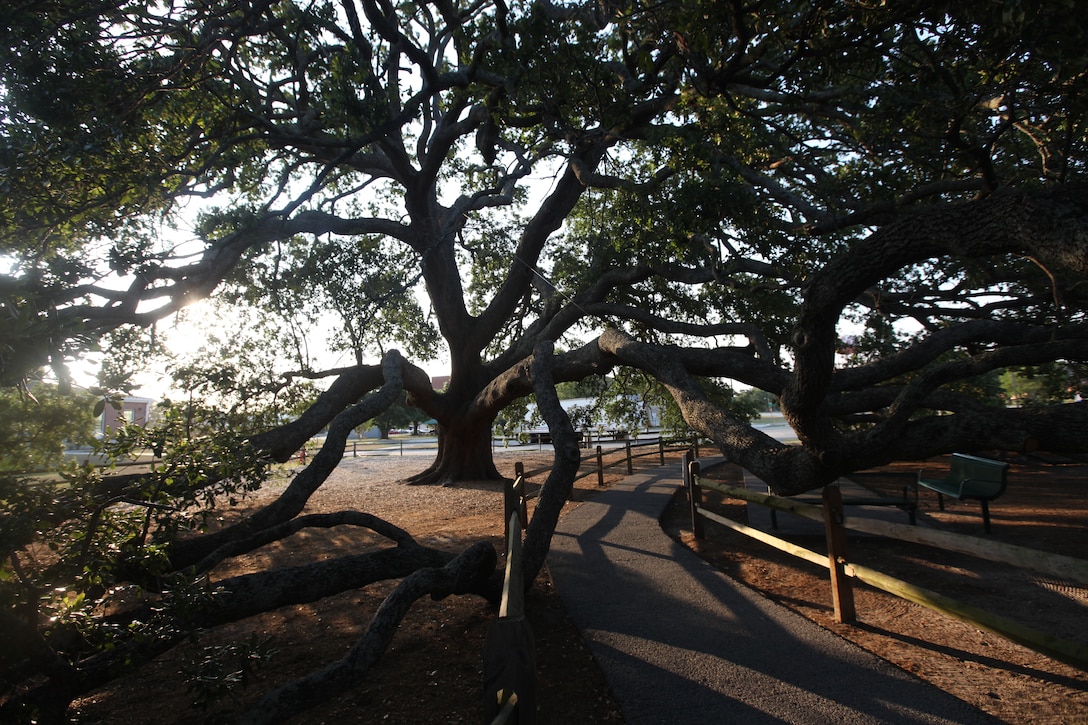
[
  {"x": 624, "y": 455},
  {"x": 509, "y": 653},
  {"x": 842, "y": 570}
]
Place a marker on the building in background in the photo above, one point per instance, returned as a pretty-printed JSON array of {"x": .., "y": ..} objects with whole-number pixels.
[{"x": 133, "y": 410}]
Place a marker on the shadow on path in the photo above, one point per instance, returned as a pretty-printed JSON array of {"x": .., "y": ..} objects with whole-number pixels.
[{"x": 681, "y": 642}]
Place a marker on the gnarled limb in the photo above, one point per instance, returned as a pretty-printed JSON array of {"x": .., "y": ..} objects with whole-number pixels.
[
  {"x": 227, "y": 600},
  {"x": 295, "y": 496},
  {"x": 786, "y": 469},
  {"x": 282, "y": 531},
  {"x": 1051, "y": 225},
  {"x": 460, "y": 576},
  {"x": 557, "y": 486}
]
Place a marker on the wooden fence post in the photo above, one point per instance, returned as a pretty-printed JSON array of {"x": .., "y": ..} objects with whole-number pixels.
[
  {"x": 842, "y": 594},
  {"x": 600, "y": 467},
  {"x": 630, "y": 470},
  {"x": 661, "y": 449},
  {"x": 514, "y": 497},
  {"x": 695, "y": 493}
]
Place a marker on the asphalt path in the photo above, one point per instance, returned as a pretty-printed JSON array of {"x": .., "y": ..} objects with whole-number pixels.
[{"x": 680, "y": 642}]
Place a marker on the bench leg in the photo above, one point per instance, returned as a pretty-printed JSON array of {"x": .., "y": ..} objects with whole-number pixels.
[
  {"x": 774, "y": 519},
  {"x": 940, "y": 501},
  {"x": 986, "y": 516}
]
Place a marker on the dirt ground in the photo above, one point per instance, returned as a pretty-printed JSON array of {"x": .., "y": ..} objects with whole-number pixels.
[
  {"x": 1044, "y": 508},
  {"x": 432, "y": 671}
]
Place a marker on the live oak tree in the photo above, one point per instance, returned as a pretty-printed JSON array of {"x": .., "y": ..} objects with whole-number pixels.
[{"x": 701, "y": 190}]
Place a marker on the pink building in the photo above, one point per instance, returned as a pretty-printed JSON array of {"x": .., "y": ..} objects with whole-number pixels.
[{"x": 133, "y": 410}]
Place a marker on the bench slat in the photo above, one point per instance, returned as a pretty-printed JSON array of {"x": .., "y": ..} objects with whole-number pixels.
[{"x": 970, "y": 477}]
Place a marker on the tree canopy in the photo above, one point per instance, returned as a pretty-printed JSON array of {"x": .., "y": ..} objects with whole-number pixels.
[{"x": 859, "y": 208}]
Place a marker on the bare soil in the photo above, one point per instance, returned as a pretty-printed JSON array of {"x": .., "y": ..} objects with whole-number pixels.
[
  {"x": 1044, "y": 508},
  {"x": 432, "y": 671}
]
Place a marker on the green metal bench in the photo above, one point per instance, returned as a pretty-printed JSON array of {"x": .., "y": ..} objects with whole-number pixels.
[{"x": 970, "y": 477}]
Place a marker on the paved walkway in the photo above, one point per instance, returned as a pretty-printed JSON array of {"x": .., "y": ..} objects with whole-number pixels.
[{"x": 680, "y": 642}]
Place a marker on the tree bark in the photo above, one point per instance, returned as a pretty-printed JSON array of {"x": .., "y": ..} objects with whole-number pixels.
[
  {"x": 291, "y": 502},
  {"x": 459, "y": 576},
  {"x": 557, "y": 486},
  {"x": 464, "y": 454}
]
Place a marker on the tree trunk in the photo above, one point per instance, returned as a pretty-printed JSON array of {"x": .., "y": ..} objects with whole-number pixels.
[{"x": 464, "y": 454}]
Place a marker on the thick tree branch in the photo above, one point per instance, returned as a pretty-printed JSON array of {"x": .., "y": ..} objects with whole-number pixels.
[
  {"x": 557, "y": 486},
  {"x": 459, "y": 576},
  {"x": 1052, "y": 225},
  {"x": 282, "y": 531},
  {"x": 294, "y": 497},
  {"x": 786, "y": 469}
]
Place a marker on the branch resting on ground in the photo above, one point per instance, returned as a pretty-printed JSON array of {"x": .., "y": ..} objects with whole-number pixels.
[{"x": 460, "y": 576}]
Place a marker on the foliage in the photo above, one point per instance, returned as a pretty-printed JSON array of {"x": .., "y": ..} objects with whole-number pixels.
[
  {"x": 639, "y": 402},
  {"x": 515, "y": 417},
  {"x": 701, "y": 192},
  {"x": 397, "y": 415},
  {"x": 70, "y": 545},
  {"x": 226, "y": 669},
  {"x": 365, "y": 282},
  {"x": 1057, "y": 382},
  {"x": 128, "y": 350},
  {"x": 757, "y": 401},
  {"x": 242, "y": 369},
  {"x": 36, "y": 426},
  {"x": 590, "y": 387}
]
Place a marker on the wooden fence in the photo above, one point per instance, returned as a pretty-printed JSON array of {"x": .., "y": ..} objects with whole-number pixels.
[
  {"x": 509, "y": 652},
  {"x": 398, "y": 446},
  {"x": 625, "y": 455},
  {"x": 842, "y": 570}
]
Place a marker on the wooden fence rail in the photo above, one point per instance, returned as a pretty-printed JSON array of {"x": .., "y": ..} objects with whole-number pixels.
[
  {"x": 509, "y": 651},
  {"x": 842, "y": 570},
  {"x": 625, "y": 456}
]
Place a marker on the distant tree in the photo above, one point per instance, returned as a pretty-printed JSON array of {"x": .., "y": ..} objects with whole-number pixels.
[
  {"x": 397, "y": 415},
  {"x": 1055, "y": 383},
  {"x": 38, "y": 424},
  {"x": 757, "y": 401},
  {"x": 591, "y": 387}
]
